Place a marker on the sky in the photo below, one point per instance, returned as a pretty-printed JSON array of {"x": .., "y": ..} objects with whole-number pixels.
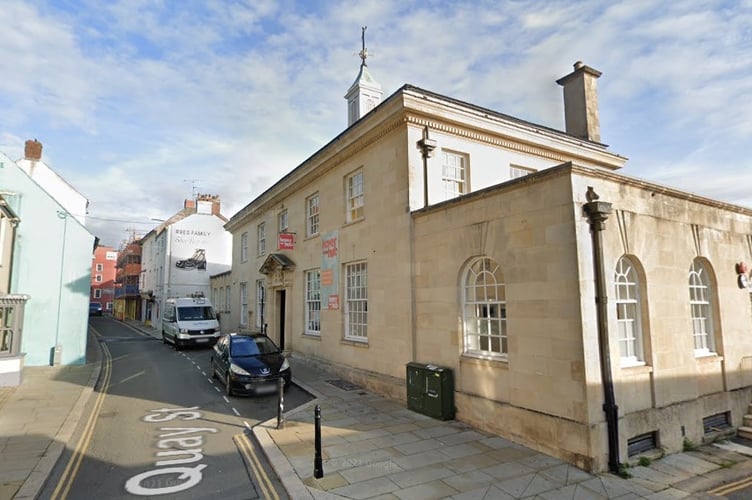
[{"x": 140, "y": 104}]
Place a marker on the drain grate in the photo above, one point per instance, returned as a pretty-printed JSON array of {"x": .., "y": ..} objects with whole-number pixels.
[{"x": 343, "y": 384}]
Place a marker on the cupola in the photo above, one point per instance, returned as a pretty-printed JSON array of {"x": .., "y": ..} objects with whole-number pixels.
[{"x": 365, "y": 93}]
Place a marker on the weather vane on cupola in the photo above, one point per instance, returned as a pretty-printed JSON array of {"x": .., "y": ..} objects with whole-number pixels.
[{"x": 363, "y": 51}]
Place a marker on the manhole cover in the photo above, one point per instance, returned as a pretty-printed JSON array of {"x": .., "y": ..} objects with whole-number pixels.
[{"x": 343, "y": 384}]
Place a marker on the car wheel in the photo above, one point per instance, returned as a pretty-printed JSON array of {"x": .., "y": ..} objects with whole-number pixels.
[
  {"x": 164, "y": 340},
  {"x": 228, "y": 387}
]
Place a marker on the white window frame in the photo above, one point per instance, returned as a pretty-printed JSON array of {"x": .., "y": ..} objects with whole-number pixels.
[
  {"x": 356, "y": 301},
  {"x": 100, "y": 268},
  {"x": 313, "y": 302},
  {"x": 355, "y": 197},
  {"x": 260, "y": 304},
  {"x": 243, "y": 293},
  {"x": 517, "y": 171},
  {"x": 454, "y": 174},
  {"x": 98, "y": 278},
  {"x": 701, "y": 309},
  {"x": 97, "y": 293},
  {"x": 228, "y": 300},
  {"x": 312, "y": 215},
  {"x": 261, "y": 235},
  {"x": 628, "y": 313},
  {"x": 282, "y": 222},
  {"x": 244, "y": 247},
  {"x": 484, "y": 310}
]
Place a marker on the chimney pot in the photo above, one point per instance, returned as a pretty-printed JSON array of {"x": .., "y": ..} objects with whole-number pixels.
[{"x": 33, "y": 150}]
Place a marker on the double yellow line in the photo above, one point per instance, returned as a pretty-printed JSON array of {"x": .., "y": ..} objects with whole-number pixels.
[
  {"x": 730, "y": 488},
  {"x": 246, "y": 449},
  {"x": 74, "y": 463}
]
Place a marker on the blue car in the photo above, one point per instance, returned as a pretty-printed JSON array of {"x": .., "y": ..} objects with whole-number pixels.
[
  {"x": 249, "y": 364},
  {"x": 95, "y": 309}
]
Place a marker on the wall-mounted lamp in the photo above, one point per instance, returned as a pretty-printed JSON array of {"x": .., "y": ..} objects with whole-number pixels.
[
  {"x": 426, "y": 146},
  {"x": 742, "y": 280}
]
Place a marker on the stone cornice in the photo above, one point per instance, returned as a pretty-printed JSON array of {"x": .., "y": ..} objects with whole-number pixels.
[
  {"x": 316, "y": 166},
  {"x": 484, "y": 138},
  {"x": 569, "y": 168},
  {"x": 500, "y": 141},
  {"x": 413, "y": 108},
  {"x": 659, "y": 189}
]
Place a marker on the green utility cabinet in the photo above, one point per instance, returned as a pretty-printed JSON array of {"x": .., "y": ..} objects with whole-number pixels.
[{"x": 430, "y": 390}]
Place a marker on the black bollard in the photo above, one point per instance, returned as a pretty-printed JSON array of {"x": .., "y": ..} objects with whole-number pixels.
[
  {"x": 318, "y": 467},
  {"x": 281, "y": 403}
]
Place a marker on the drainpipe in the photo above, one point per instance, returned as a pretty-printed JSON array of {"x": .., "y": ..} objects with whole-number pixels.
[
  {"x": 597, "y": 213},
  {"x": 426, "y": 146},
  {"x": 56, "y": 351}
]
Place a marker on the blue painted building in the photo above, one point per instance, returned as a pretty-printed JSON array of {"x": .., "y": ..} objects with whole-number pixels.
[{"x": 51, "y": 260}]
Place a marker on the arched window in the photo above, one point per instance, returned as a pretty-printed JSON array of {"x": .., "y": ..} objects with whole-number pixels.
[
  {"x": 484, "y": 308},
  {"x": 628, "y": 313},
  {"x": 700, "y": 302}
]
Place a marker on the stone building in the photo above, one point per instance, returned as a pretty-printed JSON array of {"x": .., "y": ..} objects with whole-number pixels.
[{"x": 435, "y": 231}]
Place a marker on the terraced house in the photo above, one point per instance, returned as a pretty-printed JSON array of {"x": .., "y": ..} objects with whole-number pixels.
[{"x": 587, "y": 314}]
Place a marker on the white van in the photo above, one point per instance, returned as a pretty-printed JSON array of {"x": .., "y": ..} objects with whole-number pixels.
[{"x": 190, "y": 321}]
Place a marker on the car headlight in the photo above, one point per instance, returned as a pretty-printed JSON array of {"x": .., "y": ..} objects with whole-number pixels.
[
  {"x": 237, "y": 370},
  {"x": 285, "y": 365}
]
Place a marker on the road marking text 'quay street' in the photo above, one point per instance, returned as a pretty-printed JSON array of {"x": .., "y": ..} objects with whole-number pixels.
[{"x": 167, "y": 477}]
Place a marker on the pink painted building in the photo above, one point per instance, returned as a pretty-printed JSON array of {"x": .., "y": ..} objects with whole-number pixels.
[{"x": 103, "y": 277}]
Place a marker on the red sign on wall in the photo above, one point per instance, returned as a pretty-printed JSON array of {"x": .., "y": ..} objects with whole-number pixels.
[
  {"x": 286, "y": 241},
  {"x": 333, "y": 302}
]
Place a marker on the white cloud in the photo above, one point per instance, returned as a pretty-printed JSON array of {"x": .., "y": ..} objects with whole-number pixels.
[{"x": 132, "y": 97}]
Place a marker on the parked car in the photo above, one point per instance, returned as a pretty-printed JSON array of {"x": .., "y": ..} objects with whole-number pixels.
[
  {"x": 249, "y": 364},
  {"x": 95, "y": 309}
]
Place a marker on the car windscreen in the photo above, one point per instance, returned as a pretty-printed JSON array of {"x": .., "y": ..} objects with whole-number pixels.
[
  {"x": 252, "y": 346},
  {"x": 193, "y": 313}
]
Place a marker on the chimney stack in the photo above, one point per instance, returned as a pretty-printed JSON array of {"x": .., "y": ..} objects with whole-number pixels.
[
  {"x": 33, "y": 150},
  {"x": 208, "y": 204},
  {"x": 581, "y": 102},
  {"x": 189, "y": 204}
]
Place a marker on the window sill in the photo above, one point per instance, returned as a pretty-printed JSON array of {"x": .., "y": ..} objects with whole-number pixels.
[
  {"x": 350, "y": 223},
  {"x": 312, "y": 336},
  {"x": 636, "y": 369},
  {"x": 710, "y": 357},
  {"x": 354, "y": 342},
  {"x": 484, "y": 359}
]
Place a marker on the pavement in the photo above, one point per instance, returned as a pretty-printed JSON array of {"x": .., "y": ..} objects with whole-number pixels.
[{"x": 371, "y": 447}]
